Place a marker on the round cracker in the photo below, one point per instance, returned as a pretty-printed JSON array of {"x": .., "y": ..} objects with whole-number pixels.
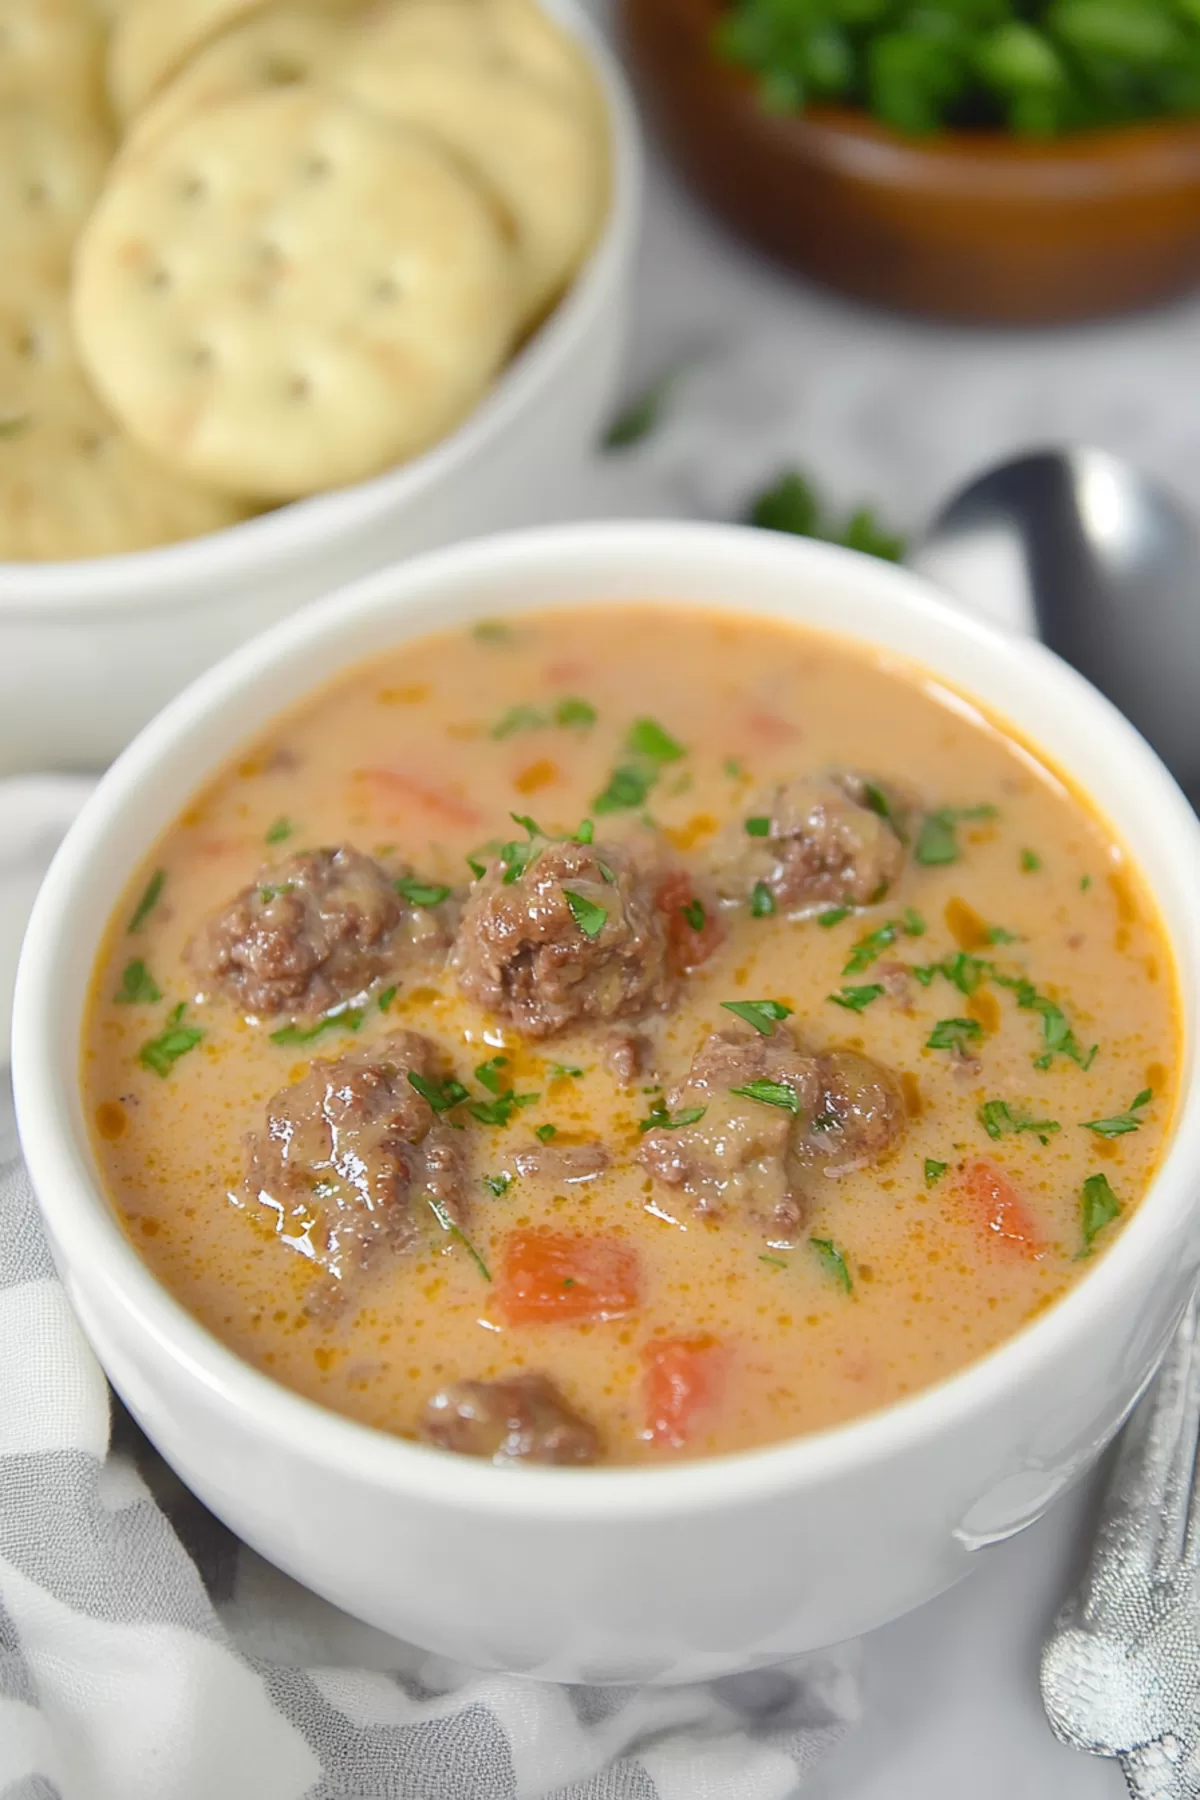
[
  {"x": 72, "y": 483},
  {"x": 51, "y": 51},
  {"x": 52, "y": 167},
  {"x": 511, "y": 34},
  {"x": 278, "y": 47},
  {"x": 545, "y": 163},
  {"x": 287, "y": 293},
  {"x": 153, "y": 38}
]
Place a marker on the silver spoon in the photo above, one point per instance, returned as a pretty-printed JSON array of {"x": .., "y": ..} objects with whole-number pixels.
[{"x": 1103, "y": 564}]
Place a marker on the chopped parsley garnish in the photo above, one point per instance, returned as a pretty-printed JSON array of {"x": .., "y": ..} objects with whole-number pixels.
[
  {"x": 488, "y": 1075},
  {"x": 762, "y": 901},
  {"x": 545, "y": 1132},
  {"x": 138, "y": 986},
  {"x": 440, "y": 1095},
  {"x": 937, "y": 840},
  {"x": 647, "y": 738},
  {"x": 833, "y": 1261},
  {"x": 267, "y": 892},
  {"x": 585, "y": 835},
  {"x": 1057, "y": 1035},
  {"x": 497, "y": 1184},
  {"x": 856, "y": 999},
  {"x": 1100, "y": 1207},
  {"x": 492, "y": 631},
  {"x": 776, "y": 1262},
  {"x": 421, "y": 893},
  {"x": 734, "y": 769},
  {"x": 834, "y": 916},
  {"x": 643, "y": 413},
  {"x": 879, "y": 802},
  {"x": 964, "y": 970},
  {"x": 1031, "y": 862},
  {"x": 590, "y": 918},
  {"x": 386, "y": 998},
  {"x": 563, "y": 1071},
  {"x": 348, "y": 1019},
  {"x": 478, "y": 869},
  {"x": 14, "y": 424},
  {"x": 762, "y": 1014},
  {"x": 442, "y": 1215},
  {"x": 934, "y": 1171},
  {"x": 659, "y": 1119},
  {"x": 770, "y": 1093},
  {"x": 868, "y": 948},
  {"x": 518, "y": 718},
  {"x": 148, "y": 901},
  {"x": 999, "y": 1120},
  {"x": 1085, "y": 882},
  {"x": 954, "y": 1034},
  {"x": 627, "y": 788},
  {"x": 163, "y": 1052},
  {"x": 914, "y": 924},
  {"x": 998, "y": 935},
  {"x": 694, "y": 913},
  {"x": 573, "y": 711},
  {"x": 500, "y": 1110},
  {"x": 1120, "y": 1123},
  {"x": 281, "y": 829},
  {"x": 790, "y": 503},
  {"x": 759, "y": 826}
]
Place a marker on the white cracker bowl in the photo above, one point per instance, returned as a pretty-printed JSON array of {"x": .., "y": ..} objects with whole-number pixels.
[{"x": 90, "y": 650}]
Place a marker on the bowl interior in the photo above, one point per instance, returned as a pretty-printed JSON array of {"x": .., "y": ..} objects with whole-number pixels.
[{"x": 684, "y": 565}]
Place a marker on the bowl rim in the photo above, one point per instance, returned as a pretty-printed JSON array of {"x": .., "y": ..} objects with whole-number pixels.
[
  {"x": 171, "y": 574},
  {"x": 830, "y": 122},
  {"x": 71, "y": 1194}
]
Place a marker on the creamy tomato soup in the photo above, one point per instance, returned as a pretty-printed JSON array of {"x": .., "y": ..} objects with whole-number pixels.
[{"x": 626, "y": 1034}]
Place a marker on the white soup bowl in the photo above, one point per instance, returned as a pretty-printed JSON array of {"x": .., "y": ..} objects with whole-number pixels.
[{"x": 662, "y": 1574}]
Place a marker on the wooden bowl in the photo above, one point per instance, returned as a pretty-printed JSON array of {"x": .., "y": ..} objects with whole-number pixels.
[{"x": 965, "y": 225}]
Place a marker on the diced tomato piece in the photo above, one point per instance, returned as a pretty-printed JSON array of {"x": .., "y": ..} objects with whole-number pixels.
[
  {"x": 999, "y": 1209},
  {"x": 769, "y": 728},
  {"x": 683, "y": 1383},
  {"x": 688, "y": 945},
  {"x": 396, "y": 794},
  {"x": 550, "y": 1275}
]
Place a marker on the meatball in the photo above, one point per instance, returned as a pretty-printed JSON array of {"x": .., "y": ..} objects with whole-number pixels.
[
  {"x": 573, "y": 935},
  {"x": 312, "y": 932},
  {"x": 521, "y": 1419},
  {"x": 821, "y": 840},
  {"x": 762, "y": 1155},
  {"x": 352, "y": 1159}
]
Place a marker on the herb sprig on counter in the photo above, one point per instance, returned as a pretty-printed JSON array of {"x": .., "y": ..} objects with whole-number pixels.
[
  {"x": 1034, "y": 67},
  {"x": 791, "y": 504}
]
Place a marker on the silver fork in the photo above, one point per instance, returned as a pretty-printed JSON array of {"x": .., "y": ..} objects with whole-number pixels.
[{"x": 1121, "y": 1670}]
